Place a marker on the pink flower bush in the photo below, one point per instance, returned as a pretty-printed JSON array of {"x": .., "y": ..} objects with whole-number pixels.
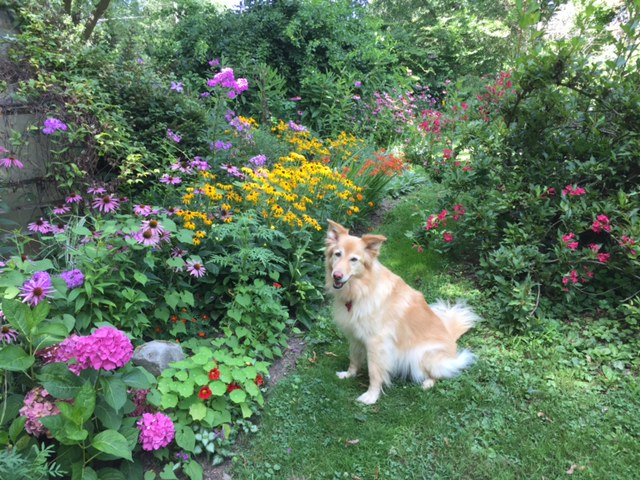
[
  {"x": 105, "y": 349},
  {"x": 38, "y": 404},
  {"x": 156, "y": 431}
]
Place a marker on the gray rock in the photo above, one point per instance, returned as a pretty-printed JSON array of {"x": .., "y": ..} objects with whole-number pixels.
[{"x": 156, "y": 356}]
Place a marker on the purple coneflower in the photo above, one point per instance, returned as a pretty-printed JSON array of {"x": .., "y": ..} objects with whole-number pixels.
[
  {"x": 7, "y": 334},
  {"x": 178, "y": 252},
  {"x": 96, "y": 190},
  {"x": 73, "y": 198},
  {"x": 195, "y": 268},
  {"x": 37, "y": 289},
  {"x": 182, "y": 166},
  {"x": 170, "y": 180},
  {"x": 106, "y": 203},
  {"x": 61, "y": 209},
  {"x": 58, "y": 228},
  {"x": 11, "y": 162},
  {"x": 153, "y": 225},
  {"x": 147, "y": 237},
  {"x": 199, "y": 164},
  {"x": 40, "y": 226},
  {"x": 143, "y": 210}
]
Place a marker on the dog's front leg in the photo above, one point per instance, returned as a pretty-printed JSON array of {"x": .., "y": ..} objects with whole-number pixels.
[
  {"x": 357, "y": 354},
  {"x": 378, "y": 375}
]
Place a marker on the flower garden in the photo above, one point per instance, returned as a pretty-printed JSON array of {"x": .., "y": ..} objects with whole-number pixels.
[{"x": 197, "y": 219}]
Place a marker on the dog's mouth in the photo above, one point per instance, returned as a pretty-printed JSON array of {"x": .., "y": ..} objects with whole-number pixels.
[{"x": 338, "y": 284}]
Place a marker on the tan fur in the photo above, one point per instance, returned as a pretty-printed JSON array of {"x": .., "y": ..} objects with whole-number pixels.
[{"x": 389, "y": 325}]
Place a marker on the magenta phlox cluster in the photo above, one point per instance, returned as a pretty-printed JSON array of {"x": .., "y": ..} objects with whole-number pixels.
[
  {"x": 37, "y": 404},
  {"x": 73, "y": 278},
  {"x": 156, "y": 431},
  {"x": 226, "y": 79},
  {"x": 52, "y": 125}
]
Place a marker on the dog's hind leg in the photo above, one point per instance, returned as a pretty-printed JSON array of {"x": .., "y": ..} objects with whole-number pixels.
[{"x": 357, "y": 355}]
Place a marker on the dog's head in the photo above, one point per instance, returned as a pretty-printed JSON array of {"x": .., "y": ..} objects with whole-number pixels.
[{"x": 348, "y": 258}]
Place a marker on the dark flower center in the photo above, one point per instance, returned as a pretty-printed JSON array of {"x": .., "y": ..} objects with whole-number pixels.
[{"x": 37, "y": 292}]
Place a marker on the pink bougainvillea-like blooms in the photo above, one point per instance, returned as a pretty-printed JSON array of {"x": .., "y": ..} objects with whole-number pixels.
[
  {"x": 37, "y": 404},
  {"x": 156, "y": 431}
]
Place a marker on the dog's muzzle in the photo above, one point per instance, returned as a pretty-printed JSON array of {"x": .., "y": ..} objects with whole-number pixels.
[{"x": 338, "y": 280}]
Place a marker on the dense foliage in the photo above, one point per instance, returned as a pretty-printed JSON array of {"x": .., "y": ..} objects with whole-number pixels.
[{"x": 197, "y": 154}]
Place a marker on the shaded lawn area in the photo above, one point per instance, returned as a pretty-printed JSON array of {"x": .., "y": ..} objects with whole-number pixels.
[{"x": 534, "y": 406}]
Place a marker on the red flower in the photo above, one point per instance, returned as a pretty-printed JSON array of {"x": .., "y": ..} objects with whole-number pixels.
[
  {"x": 447, "y": 237},
  {"x": 259, "y": 380},
  {"x": 214, "y": 374},
  {"x": 205, "y": 393},
  {"x": 232, "y": 387},
  {"x": 276, "y": 285}
]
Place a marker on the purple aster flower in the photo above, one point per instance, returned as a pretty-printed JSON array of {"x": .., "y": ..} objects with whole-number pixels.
[
  {"x": 61, "y": 209},
  {"x": 40, "y": 226},
  {"x": 156, "y": 431},
  {"x": 73, "y": 198},
  {"x": 52, "y": 125},
  {"x": 169, "y": 180},
  {"x": 73, "y": 278},
  {"x": 177, "y": 87},
  {"x": 199, "y": 164},
  {"x": 229, "y": 115},
  {"x": 37, "y": 288},
  {"x": 11, "y": 162},
  {"x": 258, "y": 160},
  {"x": 173, "y": 136},
  {"x": 106, "y": 203},
  {"x": 225, "y": 78},
  {"x": 214, "y": 63},
  {"x": 195, "y": 268},
  {"x": 140, "y": 61},
  {"x": 220, "y": 145},
  {"x": 357, "y": 84},
  {"x": 297, "y": 128}
]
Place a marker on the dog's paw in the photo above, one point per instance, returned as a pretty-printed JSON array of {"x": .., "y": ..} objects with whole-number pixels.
[
  {"x": 428, "y": 383},
  {"x": 369, "y": 398},
  {"x": 346, "y": 374}
]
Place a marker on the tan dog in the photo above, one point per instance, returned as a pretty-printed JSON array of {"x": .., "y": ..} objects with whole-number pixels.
[{"x": 389, "y": 324}]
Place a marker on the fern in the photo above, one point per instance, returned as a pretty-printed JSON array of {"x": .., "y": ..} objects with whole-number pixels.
[{"x": 32, "y": 465}]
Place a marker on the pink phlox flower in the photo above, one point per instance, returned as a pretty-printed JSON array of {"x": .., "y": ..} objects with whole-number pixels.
[
  {"x": 52, "y": 125},
  {"x": 296, "y": 128},
  {"x": 40, "y": 226},
  {"x": 572, "y": 277},
  {"x": 258, "y": 160},
  {"x": 442, "y": 216},
  {"x": 573, "y": 245},
  {"x": 568, "y": 237},
  {"x": 195, "y": 268},
  {"x": 432, "y": 222},
  {"x": 73, "y": 278},
  {"x": 459, "y": 211},
  {"x": 604, "y": 257},
  {"x": 575, "y": 191},
  {"x": 199, "y": 164},
  {"x": 447, "y": 153},
  {"x": 232, "y": 170},
  {"x": 214, "y": 63},
  {"x": 594, "y": 247},
  {"x": 220, "y": 145},
  {"x": 156, "y": 431},
  {"x": 11, "y": 162},
  {"x": 447, "y": 237}
]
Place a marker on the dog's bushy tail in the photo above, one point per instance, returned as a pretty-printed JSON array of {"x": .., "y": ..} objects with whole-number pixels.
[{"x": 457, "y": 317}]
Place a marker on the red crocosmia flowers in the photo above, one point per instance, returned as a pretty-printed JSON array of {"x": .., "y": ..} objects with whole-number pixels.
[
  {"x": 205, "y": 393},
  {"x": 214, "y": 374},
  {"x": 259, "y": 380}
]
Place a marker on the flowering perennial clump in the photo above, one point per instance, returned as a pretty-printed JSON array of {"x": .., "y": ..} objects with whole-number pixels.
[
  {"x": 156, "y": 431},
  {"x": 37, "y": 404}
]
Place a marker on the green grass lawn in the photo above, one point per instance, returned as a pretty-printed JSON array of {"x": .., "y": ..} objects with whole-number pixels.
[{"x": 536, "y": 406}]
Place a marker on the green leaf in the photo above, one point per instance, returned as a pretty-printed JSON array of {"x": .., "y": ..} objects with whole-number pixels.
[
  {"x": 187, "y": 298},
  {"x": 169, "y": 400},
  {"x": 110, "y": 474},
  {"x": 185, "y": 438},
  {"x": 140, "y": 277},
  {"x": 172, "y": 298},
  {"x": 18, "y": 315},
  {"x": 138, "y": 377},
  {"x": 107, "y": 416},
  {"x": 238, "y": 396},
  {"x": 59, "y": 381},
  {"x": 14, "y": 359},
  {"x": 114, "y": 391},
  {"x": 113, "y": 443},
  {"x": 218, "y": 388},
  {"x": 193, "y": 470},
  {"x": 244, "y": 300},
  {"x": 16, "y": 428},
  {"x": 197, "y": 411},
  {"x": 39, "y": 313}
]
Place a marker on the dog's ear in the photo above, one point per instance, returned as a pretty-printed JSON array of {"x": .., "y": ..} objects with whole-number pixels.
[
  {"x": 334, "y": 232},
  {"x": 373, "y": 243}
]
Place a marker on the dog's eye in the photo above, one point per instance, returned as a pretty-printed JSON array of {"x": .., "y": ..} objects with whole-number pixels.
[
  {"x": 338, "y": 254},
  {"x": 354, "y": 259}
]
